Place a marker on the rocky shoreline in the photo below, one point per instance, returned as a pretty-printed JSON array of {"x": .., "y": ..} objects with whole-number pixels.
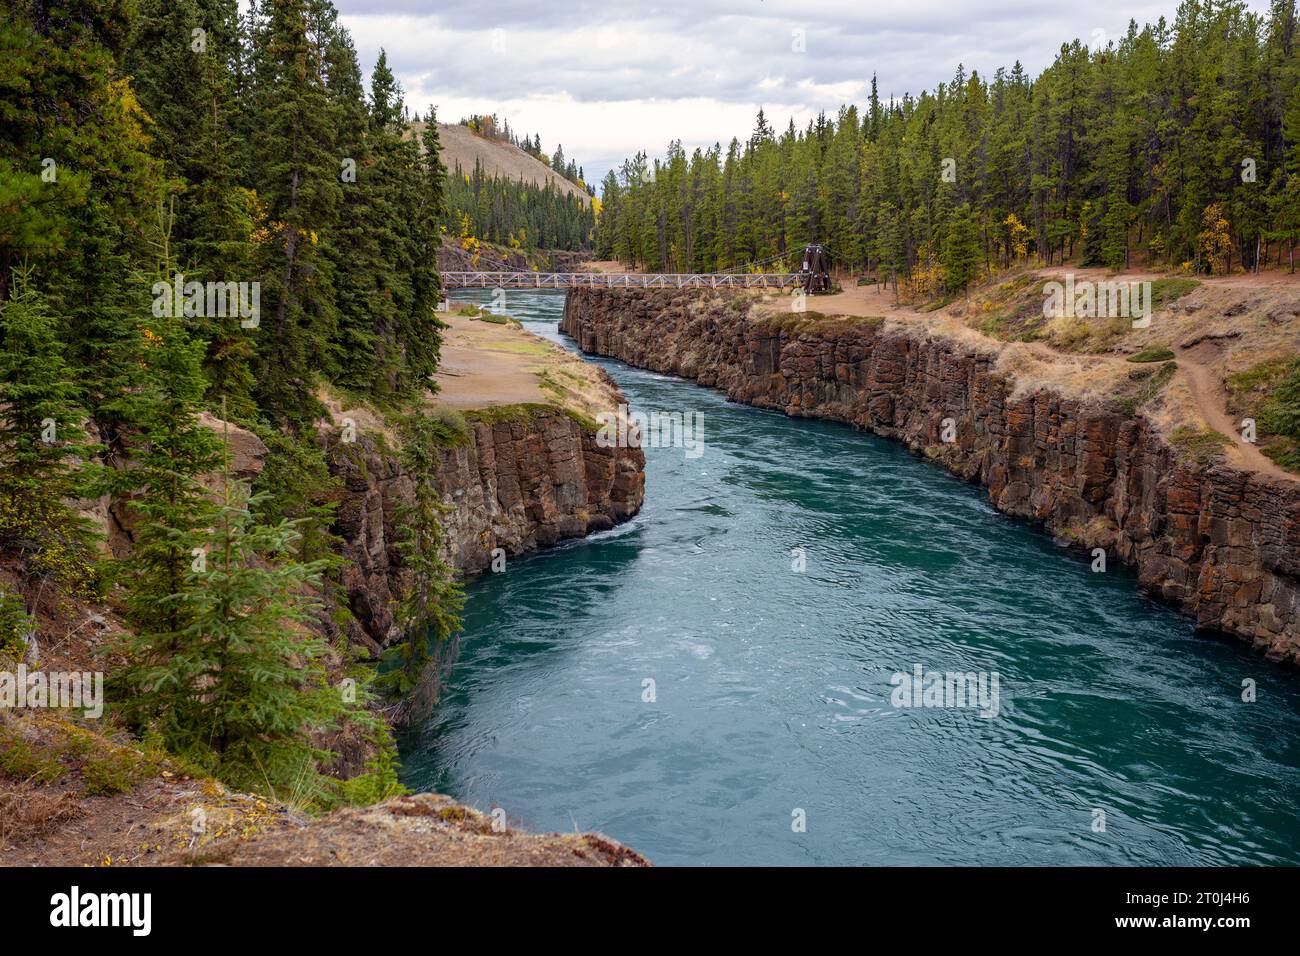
[{"x": 1220, "y": 543}]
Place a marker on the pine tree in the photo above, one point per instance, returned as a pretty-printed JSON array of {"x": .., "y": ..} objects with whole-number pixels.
[
  {"x": 239, "y": 686},
  {"x": 169, "y": 506},
  {"x": 38, "y": 400},
  {"x": 429, "y": 610},
  {"x": 1106, "y": 154},
  {"x": 76, "y": 177},
  {"x": 353, "y": 246},
  {"x": 295, "y": 172},
  {"x": 40, "y": 432},
  {"x": 185, "y": 82},
  {"x": 961, "y": 250},
  {"x": 422, "y": 333}
]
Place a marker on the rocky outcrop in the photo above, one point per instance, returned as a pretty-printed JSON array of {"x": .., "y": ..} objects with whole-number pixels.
[
  {"x": 159, "y": 814},
  {"x": 1220, "y": 543},
  {"x": 421, "y": 830},
  {"x": 517, "y": 483},
  {"x": 114, "y": 518}
]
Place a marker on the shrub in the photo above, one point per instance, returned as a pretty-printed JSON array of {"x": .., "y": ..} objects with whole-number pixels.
[
  {"x": 1151, "y": 385},
  {"x": 1152, "y": 353},
  {"x": 1280, "y": 415},
  {"x": 1203, "y": 445},
  {"x": 1164, "y": 291},
  {"x": 20, "y": 759},
  {"x": 14, "y": 625}
]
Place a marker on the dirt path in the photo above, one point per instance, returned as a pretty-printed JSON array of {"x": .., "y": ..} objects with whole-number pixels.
[
  {"x": 1203, "y": 382},
  {"x": 607, "y": 265},
  {"x": 1208, "y": 396},
  {"x": 1211, "y": 402}
]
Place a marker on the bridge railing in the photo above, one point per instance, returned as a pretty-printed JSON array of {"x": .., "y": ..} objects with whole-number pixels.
[{"x": 617, "y": 280}]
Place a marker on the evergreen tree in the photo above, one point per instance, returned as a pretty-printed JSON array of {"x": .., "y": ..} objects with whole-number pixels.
[
  {"x": 38, "y": 400},
  {"x": 1108, "y": 157},
  {"x": 40, "y": 432},
  {"x": 296, "y": 174},
  {"x": 181, "y": 57},
  {"x": 429, "y": 611},
  {"x": 239, "y": 687},
  {"x": 169, "y": 506},
  {"x": 961, "y": 250}
]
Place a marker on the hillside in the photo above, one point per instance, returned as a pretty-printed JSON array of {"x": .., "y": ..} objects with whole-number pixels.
[{"x": 460, "y": 146}]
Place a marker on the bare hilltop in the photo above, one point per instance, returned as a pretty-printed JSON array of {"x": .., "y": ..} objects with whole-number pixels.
[{"x": 462, "y": 147}]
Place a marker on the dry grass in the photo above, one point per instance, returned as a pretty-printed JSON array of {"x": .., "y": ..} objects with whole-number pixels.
[
  {"x": 459, "y": 145},
  {"x": 29, "y": 811}
]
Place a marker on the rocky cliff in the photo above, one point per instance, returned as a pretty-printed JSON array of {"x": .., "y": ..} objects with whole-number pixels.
[
  {"x": 1220, "y": 543},
  {"x": 516, "y": 482}
]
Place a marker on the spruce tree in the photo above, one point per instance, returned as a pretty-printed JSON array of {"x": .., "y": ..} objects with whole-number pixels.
[
  {"x": 181, "y": 58},
  {"x": 168, "y": 504},
  {"x": 354, "y": 245},
  {"x": 40, "y": 433},
  {"x": 429, "y": 611},
  {"x": 961, "y": 250},
  {"x": 240, "y": 687},
  {"x": 295, "y": 170}
]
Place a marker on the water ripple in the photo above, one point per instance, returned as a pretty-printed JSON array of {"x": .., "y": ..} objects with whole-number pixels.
[{"x": 677, "y": 684}]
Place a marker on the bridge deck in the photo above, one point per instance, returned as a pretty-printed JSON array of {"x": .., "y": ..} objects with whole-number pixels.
[{"x": 617, "y": 280}]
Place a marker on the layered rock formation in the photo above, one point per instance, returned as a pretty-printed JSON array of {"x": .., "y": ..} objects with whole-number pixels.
[
  {"x": 1220, "y": 543},
  {"x": 517, "y": 484}
]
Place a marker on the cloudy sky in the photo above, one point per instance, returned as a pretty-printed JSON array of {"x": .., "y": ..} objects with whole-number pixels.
[{"x": 608, "y": 78}]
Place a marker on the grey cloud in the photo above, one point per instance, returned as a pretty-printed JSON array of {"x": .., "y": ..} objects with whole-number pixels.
[
  {"x": 732, "y": 51},
  {"x": 721, "y": 49}
]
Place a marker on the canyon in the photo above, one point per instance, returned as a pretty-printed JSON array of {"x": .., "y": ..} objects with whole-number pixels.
[
  {"x": 1219, "y": 542},
  {"x": 516, "y": 463}
]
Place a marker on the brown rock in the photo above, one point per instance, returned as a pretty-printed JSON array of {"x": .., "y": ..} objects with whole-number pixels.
[
  {"x": 1222, "y": 545},
  {"x": 515, "y": 485}
]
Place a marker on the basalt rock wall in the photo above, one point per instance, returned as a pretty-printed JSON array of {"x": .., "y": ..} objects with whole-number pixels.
[
  {"x": 517, "y": 484},
  {"x": 1217, "y": 542}
]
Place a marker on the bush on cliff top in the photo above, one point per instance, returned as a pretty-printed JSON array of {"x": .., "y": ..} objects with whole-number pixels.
[
  {"x": 1281, "y": 416},
  {"x": 1202, "y": 445},
  {"x": 1152, "y": 383}
]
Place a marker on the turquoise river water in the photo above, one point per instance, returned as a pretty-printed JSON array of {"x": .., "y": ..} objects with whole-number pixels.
[{"x": 677, "y": 684}]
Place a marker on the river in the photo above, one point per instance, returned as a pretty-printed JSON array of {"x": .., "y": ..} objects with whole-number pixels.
[{"x": 715, "y": 681}]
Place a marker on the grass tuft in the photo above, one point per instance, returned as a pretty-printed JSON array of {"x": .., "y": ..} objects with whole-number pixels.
[
  {"x": 1152, "y": 353},
  {"x": 1152, "y": 383},
  {"x": 1202, "y": 445}
]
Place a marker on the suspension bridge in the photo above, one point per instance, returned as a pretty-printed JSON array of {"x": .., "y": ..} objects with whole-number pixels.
[
  {"x": 500, "y": 275},
  {"x": 619, "y": 280}
]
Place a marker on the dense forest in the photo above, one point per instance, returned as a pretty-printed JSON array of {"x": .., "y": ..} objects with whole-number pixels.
[
  {"x": 1178, "y": 145},
  {"x": 519, "y": 215},
  {"x": 205, "y": 211}
]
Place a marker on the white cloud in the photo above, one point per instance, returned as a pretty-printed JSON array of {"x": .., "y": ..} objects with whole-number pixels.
[{"x": 606, "y": 80}]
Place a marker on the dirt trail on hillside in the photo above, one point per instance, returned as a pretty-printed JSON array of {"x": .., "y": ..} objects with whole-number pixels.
[
  {"x": 1211, "y": 402},
  {"x": 607, "y": 265},
  {"x": 1203, "y": 382}
]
